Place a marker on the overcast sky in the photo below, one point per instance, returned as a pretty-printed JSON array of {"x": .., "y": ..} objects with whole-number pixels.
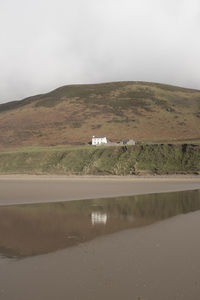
[{"x": 48, "y": 43}]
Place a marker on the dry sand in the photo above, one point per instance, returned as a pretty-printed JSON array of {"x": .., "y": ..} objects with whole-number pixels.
[{"x": 19, "y": 189}]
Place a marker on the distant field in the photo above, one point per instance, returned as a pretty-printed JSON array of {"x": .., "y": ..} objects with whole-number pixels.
[
  {"x": 172, "y": 141},
  {"x": 71, "y": 115}
]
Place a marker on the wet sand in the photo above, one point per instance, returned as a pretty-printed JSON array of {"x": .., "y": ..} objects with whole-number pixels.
[
  {"x": 30, "y": 230},
  {"x": 160, "y": 261},
  {"x": 19, "y": 189},
  {"x": 154, "y": 262}
]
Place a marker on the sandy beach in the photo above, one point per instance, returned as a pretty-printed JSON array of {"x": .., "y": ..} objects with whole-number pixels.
[
  {"x": 157, "y": 262},
  {"x": 146, "y": 249},
  {"x": 20, "y": 189}
]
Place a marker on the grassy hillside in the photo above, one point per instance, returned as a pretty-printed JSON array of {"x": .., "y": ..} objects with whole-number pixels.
[
  {"x": 120, "y": 110},
  {"x": 139, "y": 160}
]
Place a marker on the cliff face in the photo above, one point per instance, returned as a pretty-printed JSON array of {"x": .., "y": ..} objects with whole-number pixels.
[{"x": 130, "y": 160}]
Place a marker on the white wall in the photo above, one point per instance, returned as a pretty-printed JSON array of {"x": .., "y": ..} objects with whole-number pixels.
[{"x": 99, "y": 141}]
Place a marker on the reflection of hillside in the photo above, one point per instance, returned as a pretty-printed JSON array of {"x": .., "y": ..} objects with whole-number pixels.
[{"x": 27, "y": 230}]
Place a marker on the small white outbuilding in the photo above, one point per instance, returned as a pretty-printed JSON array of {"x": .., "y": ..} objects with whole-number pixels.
[{"x": 99, "y": 140}]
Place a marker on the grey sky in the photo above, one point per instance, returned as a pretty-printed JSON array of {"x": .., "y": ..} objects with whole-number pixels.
[{"x": 48, "y": 43}]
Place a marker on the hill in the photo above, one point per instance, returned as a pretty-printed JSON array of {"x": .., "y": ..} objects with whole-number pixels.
[{"x": 120, "y": 110}]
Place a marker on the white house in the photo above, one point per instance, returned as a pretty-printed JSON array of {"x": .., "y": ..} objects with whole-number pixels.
[{"x": 99, "y": 140}]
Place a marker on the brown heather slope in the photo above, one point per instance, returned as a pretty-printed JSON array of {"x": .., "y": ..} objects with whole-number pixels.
[{"x": 120, "y": 110}]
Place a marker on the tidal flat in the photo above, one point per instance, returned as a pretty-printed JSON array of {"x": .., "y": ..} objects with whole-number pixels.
[
  {"x": 20, "y": 189},
  {"x": 130, "y": 247}
]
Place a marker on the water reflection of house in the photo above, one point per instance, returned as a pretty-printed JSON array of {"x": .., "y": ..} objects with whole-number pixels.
[{"x": 98, "y": 218}]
